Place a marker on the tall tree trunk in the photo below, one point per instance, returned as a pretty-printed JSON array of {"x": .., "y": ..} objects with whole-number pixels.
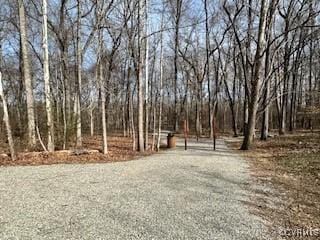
[
  {"x": 208, "y": 67},
  {"x": 285, "y": 88},
  {"x": 7, "y": 120},
  {"x": 91, "y": 121},
  {"x": 248, "y": 72},
  {"x": 103, "y": 110},
  {"x": 130, "y": 111},
  {"x": 64, "y": 68},
  {"x": 139, "y": 82},
  {"x": 266, "y": 100},
  {"x": 102, "y": 84},
  {"x": 46, "y": 76},
  {"x": 198, "y": 117},
  {"x": 27, "y": 75},
  {"x": 176, "y": 49},
  {"x": 78, "y": 81},
  {"x": 154, "y": 128},
  {"x": 133, "y": 130},
  {"x": 256, "y": 81},
  {"x": 265, "y": 114},
  {"x": 311, "y": 50},
  {"x": 160, "y": 87},
  {"x": 146, "y": 23},
  {"x": 294, "y": 90}
]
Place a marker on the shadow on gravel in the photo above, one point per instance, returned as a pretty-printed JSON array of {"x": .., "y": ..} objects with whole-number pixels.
[
  {"x": 210, "y": 149},
  {"x": 220, "y": 177},
  {"x": 202, "y": 154}
]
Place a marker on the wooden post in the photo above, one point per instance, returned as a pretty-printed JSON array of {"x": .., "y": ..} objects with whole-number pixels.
[
  {"x": 214, "y": 132},
  {"x": 185, "y": 128}
]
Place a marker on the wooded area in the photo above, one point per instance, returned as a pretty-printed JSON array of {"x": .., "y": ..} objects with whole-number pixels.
[{"x": 73, "y": 68}]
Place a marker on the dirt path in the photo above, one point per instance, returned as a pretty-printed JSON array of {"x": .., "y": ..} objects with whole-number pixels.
[{"x": 194, "y": 194}]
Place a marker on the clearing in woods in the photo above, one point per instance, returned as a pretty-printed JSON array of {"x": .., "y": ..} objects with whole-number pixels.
[{"x": 176, "y": 194}]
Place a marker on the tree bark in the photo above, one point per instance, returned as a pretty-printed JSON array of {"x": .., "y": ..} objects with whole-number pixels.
[
  {"x": 160, "y": 87},
  {"x": 176, "y": 49},
  {"x": 208, "y": 67},
  {"x": 79, "y": 76},
  {"x": 7, "y": 121},
  {"x": 139, "y": 83},
  {"x": 265, "y": 114},
  {"x": 102, "y": 84},
  {"x": 46, "y": 76},
  {"x": 146, "y": 97},
  {"x": 27, "y": 75},
  {"x": 256, "y": 81}
]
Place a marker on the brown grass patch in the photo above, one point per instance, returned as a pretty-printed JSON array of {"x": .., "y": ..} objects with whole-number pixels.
[
  {"x": 119, "y": 149},
  {"x": 291, "y": 163}
]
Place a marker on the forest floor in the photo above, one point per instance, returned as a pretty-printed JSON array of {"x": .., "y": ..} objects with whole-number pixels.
[
  {"x": 119, "y": 149},
  {"x": 291, "y": 164}
]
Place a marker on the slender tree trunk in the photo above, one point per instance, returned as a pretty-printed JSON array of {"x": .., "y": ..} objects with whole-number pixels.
[
  {"x": 294, "y": 91},
  {"x": 248, "y": 72},
  {"x": 266, "y": 100},
  {"x": 46, "y": 75},
  {"x": 284, "y": 105},
  {"x": 130, "y": 112},
  {"x": 27, "y": 75},
  {"x": 232, "y": 97},
  {"x": 198, "y": 118},
  {"x": 154, "y": 129},
  {"x": 123, "y": 101},
  {"x": 7, "y": 120},
  {"x": 128, "y": 99},
  {"x": 311, "y": 62},
  {"x": 176, "y": 49},
  {"x": 102, "y": 85},
  {"x": 146, "y": 97},
  {"x": 234, "y": 121},
  {"x": 310, "y": 98},
  {"x": 133, "y": 130},
  {"x": 152, "y": 85},
  {"x": 139, "y": 83},
  {"x": 124, "y": 123},
  {"x": 103, "y": 110},
  {"x": 79, "y": 75},
  {"x": 208, "y": 67},
  {"x": 64, "y": 68},
  {"x": 64, "y": 114},
  {"x": 160, "y": 87},
  {"x": 265, "y": 114}
]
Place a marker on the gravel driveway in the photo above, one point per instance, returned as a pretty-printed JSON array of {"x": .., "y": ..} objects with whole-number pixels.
[{"x": 194, "y": 194}]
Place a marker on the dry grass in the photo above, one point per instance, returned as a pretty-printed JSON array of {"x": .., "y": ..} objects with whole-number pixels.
[
  {"x": 292, "y": 164},
  {"x": 119, "y": 149}
]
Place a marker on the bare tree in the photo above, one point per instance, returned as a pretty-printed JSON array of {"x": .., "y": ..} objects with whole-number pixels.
[
  {"x": 177, "y": 12},
  {"x": 46, "y": 76},
  {"x": 7, "y": 121},
  {"x": 139, "y": 78},
  {"x": 146, "y": 96},
  {"x": 106, "y": 75},
  {"x": 27, "y": 75},
  {"x": 79, "y": 76},
  {"x": 160, "y": 87},
  {"x": 101, "y": 79},
  {"x": 256, "y": 81}
]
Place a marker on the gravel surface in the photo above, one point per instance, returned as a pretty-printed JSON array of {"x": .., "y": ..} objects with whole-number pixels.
[{"x": 177, "y": 194}]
